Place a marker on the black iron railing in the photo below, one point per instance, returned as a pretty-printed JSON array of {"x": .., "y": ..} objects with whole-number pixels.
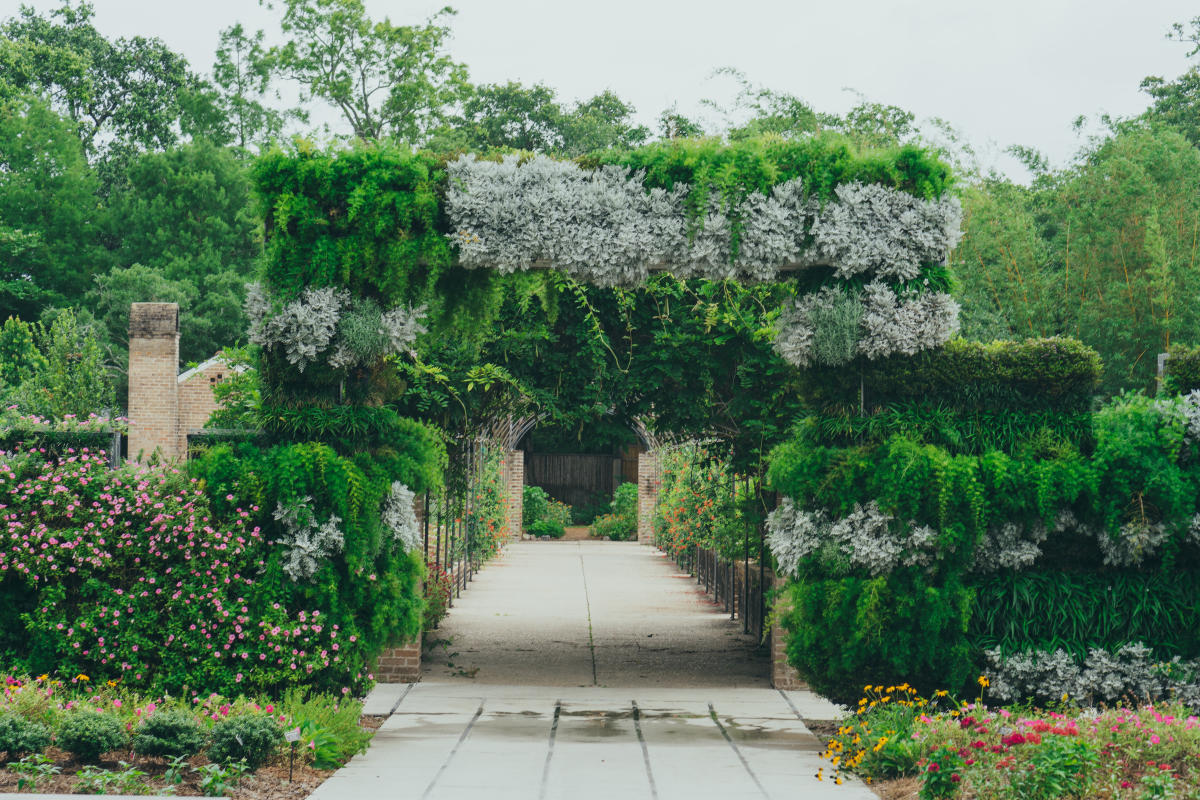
[{"x": 738, "y": 585}]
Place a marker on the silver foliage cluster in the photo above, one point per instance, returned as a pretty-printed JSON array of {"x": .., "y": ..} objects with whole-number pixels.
[
  {"x": 400, "y": 517},
  {"x": 605, "y": 227},
  {"x": 1133, "y": 542},
  {"x": 876, "y": 230},
  {"x": 1009, "y": 545},
  {"x": 308, "y": 542},
  {"x": 866, "y": 538},
  {"x": 330, "y": 324},
  {"x": 832, "y": 326},
  {"x": 1189, "y": 407},
  {"x": 1129, "y": 675}
]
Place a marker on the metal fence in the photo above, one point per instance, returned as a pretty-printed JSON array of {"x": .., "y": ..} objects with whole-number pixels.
[{"x": 739, "y": 585}]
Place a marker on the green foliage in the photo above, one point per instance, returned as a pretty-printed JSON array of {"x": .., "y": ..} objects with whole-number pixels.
[
  {"x": 50, "y": 214},
  {"x": 388, "y": 81},
  {"x": 169, "y": 734},
  {"x": 1182, "y": 370},
  {"x": 19, "y": 356},
  {"x": 542, "y": 515},
  {"x": 330, "y": 723},
  {"x": 20, "y": 737},
  {"x": 703, "y": 502},
  {"x": 73, "y": 378},
  {"x": 1056, "y": 374},
  {"x": 823, "y": 161},
  {"x": 33, "y": 769},
  {"x": 1050, "y": 610},
  {"x": 89, "y": 734},
  {"x": 535, "y": 504},
  {"x": 621, "y": 523},
  {"x": 217, "y": 780},
  {"x": 941, "y": 777},
  {"x": 1102, "y": 251},
  {"x": 847, "y": 632},
  {"x": 1062, "y": 766},
  {"x": 249, "y": 738}
]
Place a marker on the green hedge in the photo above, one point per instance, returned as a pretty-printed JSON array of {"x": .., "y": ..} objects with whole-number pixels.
[{"x": 1056, "y": 375}]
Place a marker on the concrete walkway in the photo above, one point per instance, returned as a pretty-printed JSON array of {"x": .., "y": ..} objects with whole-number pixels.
[
  {"x": 591, "y": 614},
  {"x": 590, "y": 670}
]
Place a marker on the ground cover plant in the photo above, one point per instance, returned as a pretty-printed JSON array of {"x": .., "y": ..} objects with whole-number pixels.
[
  {"x": 974, "y": 749},
  {"x": 74, "y": 734}
]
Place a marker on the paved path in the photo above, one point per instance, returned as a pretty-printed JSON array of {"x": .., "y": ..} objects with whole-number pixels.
[
  {"x": 591, "y": 614},
  {"x": 590, "y": 670}
]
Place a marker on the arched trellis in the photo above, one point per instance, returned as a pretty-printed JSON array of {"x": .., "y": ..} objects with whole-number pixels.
[{"x": 507, "y": 432}]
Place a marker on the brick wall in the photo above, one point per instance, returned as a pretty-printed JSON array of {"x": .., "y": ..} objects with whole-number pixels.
[
  {"x": 514, "y": 487},
  {"x": 153, "y": 387},
  {"x": 648, "y": 481},
  {"x": 196, "y": 400},
  {"x": 783, "y": 674}
]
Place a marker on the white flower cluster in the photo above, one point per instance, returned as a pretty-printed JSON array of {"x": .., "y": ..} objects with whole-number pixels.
[
  {"x": 400, "y": 517},
  {"x": 308, "y": 543},
  {"x": 1134, "y": 541},
  {"x": 831, "y": 326},
  {"x": 607, "y": 228},
  {"x": 1129, "y": 675},
  {"x": 865, "y": 538},
  {"x": 332, "y": 324}
]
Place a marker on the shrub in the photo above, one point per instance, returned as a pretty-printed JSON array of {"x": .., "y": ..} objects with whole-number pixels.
[
  {"x": 844, "y": 633},
  {"x": 546, "y": 527},
  {"x": 19, "y": 736},
  {"x": 621, "y": 522},
  {"x": 536, "y": 504},
  {"x": 252, "y": 738},
  {"x": 89, "y": 734},
  {"x": 1182, "y": 370},
  {"x": 168, "y": 734},
  {"x": 329, "y": 726}
]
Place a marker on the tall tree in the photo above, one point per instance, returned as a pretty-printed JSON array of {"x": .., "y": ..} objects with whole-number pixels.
[
  {"x": 387, "y": 80},
  {"x": 242, "y": 74},
  {"x": 124, "y": 95},
  {"x": 50, "y": 214}
]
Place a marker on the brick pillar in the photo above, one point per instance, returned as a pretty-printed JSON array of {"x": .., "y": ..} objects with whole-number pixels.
[
  {"x": 403, "y": 664},
  {"x": 153, "y": 381},
  {"x": 647, "y": 495},
  {"x": 783, "y": 674},
  {"x": 514, "y": 487}
]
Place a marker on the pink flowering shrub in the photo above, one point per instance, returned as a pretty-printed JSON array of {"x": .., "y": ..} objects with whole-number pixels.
[{"x": 127, "y": 575}]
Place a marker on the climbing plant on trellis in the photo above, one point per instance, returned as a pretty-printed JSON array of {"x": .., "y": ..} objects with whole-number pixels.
[{"x": 369, "y": 248}]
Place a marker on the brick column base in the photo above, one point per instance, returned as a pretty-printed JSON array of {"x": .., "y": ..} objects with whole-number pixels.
[
  {"x": 647, "y": 496},
  {"x": 783, "y": 674},
  {"x": 399, "y": 664}
]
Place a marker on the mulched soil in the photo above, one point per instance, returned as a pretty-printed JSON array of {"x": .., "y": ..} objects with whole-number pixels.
[{"x": 268, "y": 783}]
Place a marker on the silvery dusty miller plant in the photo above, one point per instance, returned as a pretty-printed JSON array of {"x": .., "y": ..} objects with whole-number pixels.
[
  {"x": 308, "y": 543},
  {"x": 400, "y": 517}
]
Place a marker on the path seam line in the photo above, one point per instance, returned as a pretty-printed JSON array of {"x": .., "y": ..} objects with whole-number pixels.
[
  {"x": 588, "y": 603},
  {"x": 403, "y": 695},
  {"x": 462, "y": 738},
  {"x": 637, "y": 726},
  {"x": 550, "y": 751},
  {"x": 712, "y": 712}
]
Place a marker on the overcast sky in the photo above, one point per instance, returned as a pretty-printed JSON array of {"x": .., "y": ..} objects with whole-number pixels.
[{"x": 1012, "y": 72}]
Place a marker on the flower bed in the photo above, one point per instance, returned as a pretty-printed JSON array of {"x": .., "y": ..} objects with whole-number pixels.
[
  {"x": 971, "y": 750},
  {"x": 71, "y": 736}
]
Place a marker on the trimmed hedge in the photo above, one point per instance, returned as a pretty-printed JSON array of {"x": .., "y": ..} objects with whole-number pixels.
[{"x": 1182, "y": 370}]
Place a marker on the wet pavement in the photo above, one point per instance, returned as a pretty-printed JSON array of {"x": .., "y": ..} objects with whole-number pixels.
[{"x": 571, "y": 671}]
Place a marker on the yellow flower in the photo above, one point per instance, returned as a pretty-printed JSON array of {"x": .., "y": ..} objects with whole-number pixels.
[
  {"x": 43, "y": 677},
  {"x": 983, "y": 681},
  {"x": 82, "y": 677}
]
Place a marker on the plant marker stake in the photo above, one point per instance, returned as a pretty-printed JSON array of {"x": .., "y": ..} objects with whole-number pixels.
[{"x": 292, "y": 736}]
